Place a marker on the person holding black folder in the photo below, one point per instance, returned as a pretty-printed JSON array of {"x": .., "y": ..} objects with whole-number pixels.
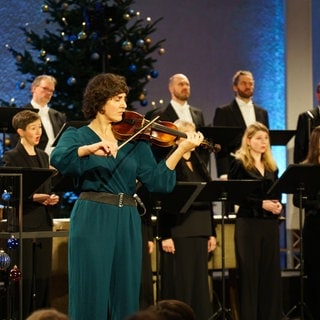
[
  {"x": 187, "y": 239},
  {"x": 257, "y": 228},
  {"x": 37, "y": 215},
  {"x": 105, "y": 226},
  {"x": 311, "y": 231}
]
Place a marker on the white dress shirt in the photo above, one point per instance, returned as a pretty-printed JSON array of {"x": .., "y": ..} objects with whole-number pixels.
[
  {"x": 45, "y": 120},
  {"x": 183, "y": 111},
  {"x": 247, "y": 111}
]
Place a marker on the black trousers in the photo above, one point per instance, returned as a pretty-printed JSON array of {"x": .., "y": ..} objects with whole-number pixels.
[
  {"x": 311, "y": 241},
  {"x": 258, "y": 258},
  {"x": 184, "y": 275}
]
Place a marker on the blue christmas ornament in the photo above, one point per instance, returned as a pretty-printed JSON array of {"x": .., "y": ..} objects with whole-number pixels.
[
  {"x": 12, "y": 243},
  {"x": 131, "y": 12},
  {"x": 144, "y": 102},
  {"x": 4, "y": 260},
  {"x": 95, "y": 56},
  {"x": 140, "y": 43},
  {"x": 6, "y": 196},
  {"x": 154, "y": 74},
  {"x": 133, "y": 67},
  {"x": 72, "y": 38},
  {"x": 94, "y": 36},
  {"x": 71, "y": 81}
]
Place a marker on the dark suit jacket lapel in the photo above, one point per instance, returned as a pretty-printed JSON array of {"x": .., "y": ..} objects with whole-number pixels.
[
  {"x": 238, "y": 118},
  {"x": 196, "y": 117},
  {"x": 170, "y": 113}
]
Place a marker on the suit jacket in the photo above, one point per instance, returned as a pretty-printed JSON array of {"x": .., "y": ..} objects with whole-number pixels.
[
  {"x": 35, "y": 216},
  {"x": 307, "y": 121},
  {"x": 230, "y": 116},
  {"x": 57, "y": 119},
  {"x": 168, "y": 114}
]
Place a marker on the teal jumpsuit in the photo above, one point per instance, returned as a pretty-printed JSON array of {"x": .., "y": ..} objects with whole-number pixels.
[{"x": 104, "y": 239}]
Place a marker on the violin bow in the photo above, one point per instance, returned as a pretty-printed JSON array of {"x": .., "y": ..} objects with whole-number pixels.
[{"x": 149, "y": 123}]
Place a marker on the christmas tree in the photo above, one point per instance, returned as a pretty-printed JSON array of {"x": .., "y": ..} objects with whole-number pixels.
[{"x": 84, "y": 38}]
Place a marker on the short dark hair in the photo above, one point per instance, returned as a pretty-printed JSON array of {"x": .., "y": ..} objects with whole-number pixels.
[
  {"x": 170, "y": 309},
  {"x": 23, "y": 118},
  {"x": 318, "y": 87},
  {"x": 99, "y": 90},
  {"x": 239, "y": 73}
]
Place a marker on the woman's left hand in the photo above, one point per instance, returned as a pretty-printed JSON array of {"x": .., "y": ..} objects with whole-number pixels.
[
  {"x": 273, "y": 206},
  {"x": 193, "y": 140}
]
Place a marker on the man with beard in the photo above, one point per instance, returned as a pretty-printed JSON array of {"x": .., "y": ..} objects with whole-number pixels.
[
  {"x": 241, "y": 112},
  {"x": 178, "y": 108}
]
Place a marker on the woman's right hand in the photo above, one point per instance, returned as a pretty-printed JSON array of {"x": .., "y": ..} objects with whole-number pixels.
[{"x": 101, "y": 148}]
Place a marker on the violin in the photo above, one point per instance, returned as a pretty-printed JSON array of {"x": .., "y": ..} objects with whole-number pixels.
[{"x": 160, "y": 133}]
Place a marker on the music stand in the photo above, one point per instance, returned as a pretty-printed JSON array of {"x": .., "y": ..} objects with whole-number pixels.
[
  {"x": 224, "y": 190},
  {"x": 301, "y": 179},
  {"x": 178, "y": 201},
  {"x": 6, "y": 115},
  {"x": 30, "y": 180},
  {"x": 73, "y": 123},
  {"x": 281, "y": 137},
  {"x": 222, "y": 134}
]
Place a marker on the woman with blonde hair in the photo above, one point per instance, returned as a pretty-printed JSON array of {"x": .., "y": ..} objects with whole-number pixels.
[{"x": 257, "y": 228}]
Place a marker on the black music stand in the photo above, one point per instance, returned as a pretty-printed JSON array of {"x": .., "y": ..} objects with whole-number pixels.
[
  {"x": 66, "y": 125},
  {"x": 301, "y": 179},
  {"x": 224, "y": 190},
  {"x": 281, "y": 137},
  {"x": 178, "y": 201},
  {"x": 222, "y": 134},
  {"x": 32, "y": 179},
  {"x": 6, "y": 115}
]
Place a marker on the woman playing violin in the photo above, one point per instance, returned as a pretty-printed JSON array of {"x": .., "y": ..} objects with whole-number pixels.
[{"x": 105, "y": 226}]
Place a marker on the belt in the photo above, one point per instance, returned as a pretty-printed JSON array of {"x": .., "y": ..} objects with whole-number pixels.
[{"x": 118, "y": 200}]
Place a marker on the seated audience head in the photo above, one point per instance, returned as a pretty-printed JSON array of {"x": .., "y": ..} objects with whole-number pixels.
[
  {"x": 47, "y": 314},
  {"x": 173, "y": 310},
  {"x": 144, "y": 315}
]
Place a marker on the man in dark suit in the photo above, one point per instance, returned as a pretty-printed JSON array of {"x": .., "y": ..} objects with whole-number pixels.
[
  {"x": 307, "y": 121},
  {"x": 240, "y": 113},
  {"x": 178, "y": 108},
  {"x": 42, "y": 89}
]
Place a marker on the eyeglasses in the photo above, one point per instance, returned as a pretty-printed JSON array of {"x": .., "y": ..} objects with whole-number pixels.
[{"x": 46, "y": 89}]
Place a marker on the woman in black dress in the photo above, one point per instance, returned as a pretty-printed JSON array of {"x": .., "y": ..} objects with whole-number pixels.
[
  {"x": 257, "y": 228},
  {"x": 187, "y": 238}
]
